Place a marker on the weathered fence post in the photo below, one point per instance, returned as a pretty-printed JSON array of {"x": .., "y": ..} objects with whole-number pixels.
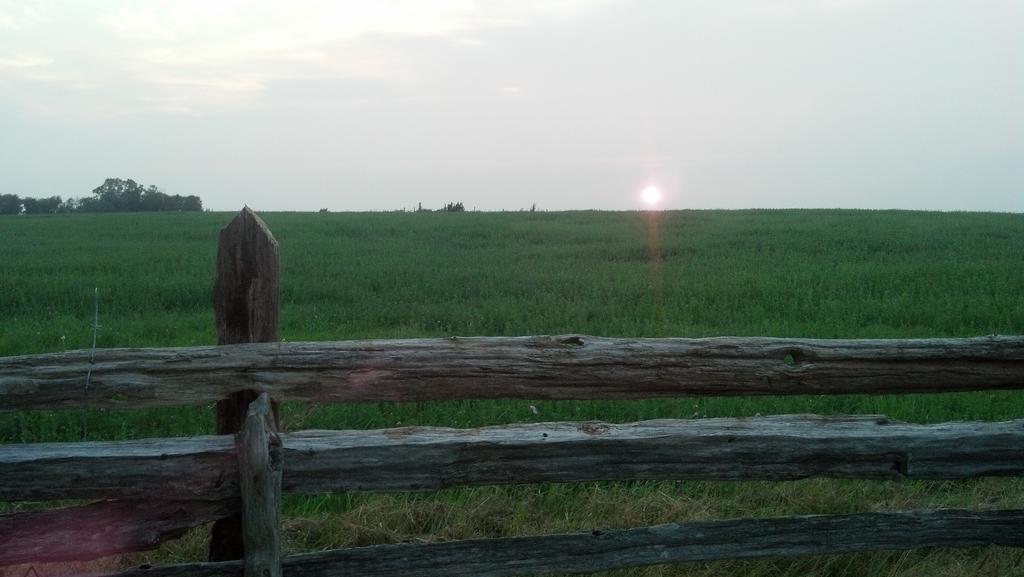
[
  {"x": 246, "y": 301},
  {"x": 259, "y": 478}
]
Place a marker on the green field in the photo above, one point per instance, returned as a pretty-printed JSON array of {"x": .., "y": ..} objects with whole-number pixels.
[{"x": 796, "y": 273}]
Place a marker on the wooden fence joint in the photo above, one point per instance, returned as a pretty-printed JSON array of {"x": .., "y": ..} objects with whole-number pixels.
[
  {"x": 259, "y": 472},
  {"x": 246, "y": 301}
]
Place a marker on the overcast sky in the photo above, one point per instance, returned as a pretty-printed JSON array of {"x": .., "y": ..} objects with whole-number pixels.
[{"x": 569, "y": 104}]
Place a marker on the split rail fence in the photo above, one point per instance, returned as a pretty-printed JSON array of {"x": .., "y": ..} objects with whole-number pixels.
[{"x": 150, "y": 490}]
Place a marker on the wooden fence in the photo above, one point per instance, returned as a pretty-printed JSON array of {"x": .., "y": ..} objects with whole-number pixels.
[{"x": 151, "y": 490}]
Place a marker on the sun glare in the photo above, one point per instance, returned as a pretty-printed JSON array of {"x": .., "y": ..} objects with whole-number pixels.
[{"x": 651, "y": 195}]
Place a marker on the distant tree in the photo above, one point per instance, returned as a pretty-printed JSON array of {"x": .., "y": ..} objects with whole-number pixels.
[
  {"x": 10, "y": 204},
  {"x": 454, "y": 207},
  {"x": 114, "y": 195},
  {"x": 117, "y": 195},
  {"x": 191, "y": 203},
  {"x": 126, "y": 195},
  {"x": 42, "y": 205},
  {"x": 89, "y": 204},
  {"x": 30, "y": 205},
  {"x": 51, "y": 205},
  {"x": 69, "y": 205},
  {"x": 152, "y": 199}
]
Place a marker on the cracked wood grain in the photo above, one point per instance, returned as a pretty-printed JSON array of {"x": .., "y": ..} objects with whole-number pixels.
[
  {"x": 427, "y": 458},
  {"x": 544, "y": 367}
]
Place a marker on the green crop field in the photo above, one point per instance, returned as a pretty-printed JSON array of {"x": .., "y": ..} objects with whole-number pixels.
[{"x": 796, "y": 273}]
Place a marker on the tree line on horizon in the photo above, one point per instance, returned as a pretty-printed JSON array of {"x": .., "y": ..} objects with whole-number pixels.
[
  {"x": 450, "y": 207},
  {"x": 114, "y": 195}
]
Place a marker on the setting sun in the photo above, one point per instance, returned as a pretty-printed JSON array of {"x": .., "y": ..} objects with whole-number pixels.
[{"x": 651, "y": 195}]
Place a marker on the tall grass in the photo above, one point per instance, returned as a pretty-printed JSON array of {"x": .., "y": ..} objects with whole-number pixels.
[{"x": 827, "y": 274}]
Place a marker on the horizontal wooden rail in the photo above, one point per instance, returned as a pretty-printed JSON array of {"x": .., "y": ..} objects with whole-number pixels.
[
  {"x": 614, "y": 549},
  {"x": 101, "y": 529},
  {"x": 565, "y": 367},
  {"x": 203, "y": 468},
  {"x": 422, "y": 458}
]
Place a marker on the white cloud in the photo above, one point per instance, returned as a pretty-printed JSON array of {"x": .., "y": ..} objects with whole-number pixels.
[
  {"x": 197, "y": 56},
  {"x": 207, "y": 52},
  {"x": 313, "y": 21},
  {"x": 19, "y": 14},
  {"x": 24, "y": 61},
  {"x": 204, "y": 33}
]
